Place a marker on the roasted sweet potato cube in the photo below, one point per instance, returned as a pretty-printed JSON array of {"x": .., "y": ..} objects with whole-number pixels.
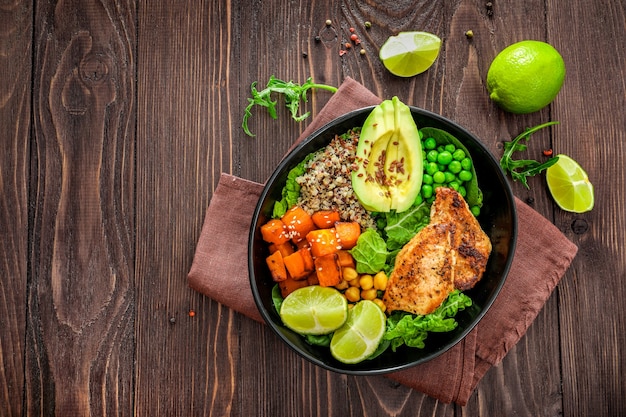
[
  {"x": 328, "y": 270},
  {"x": 298, "y": 223},
  {"x": 274, "y": 231},
  {"x": 285, "y": 249},
  {"x": 299, "y": 264},
  {"x": 276, "y": 264},
  {"x": 323, "y": 242},
  {"x": 312, "y": 279},
  {"x": 325, "y": 219},
  {"x": 345, "y": 258},
  {"x": 290, "y": 285},
  {"x": 347, "y": 234}
]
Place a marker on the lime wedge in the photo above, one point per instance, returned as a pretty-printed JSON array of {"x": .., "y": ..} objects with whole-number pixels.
[
  {"x": 314, "y": 310},
  {"x": 569, "y": 185},
  {"x": 410, "y": 53},
  {"x": 359, "y": 337}
]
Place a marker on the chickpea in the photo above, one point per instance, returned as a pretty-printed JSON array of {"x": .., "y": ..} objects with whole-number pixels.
[
  {"x": 380, "y": 281},
  {"x": 380, "y": 304},
  {"x": 369, "y": 294},
  {"x": 342, "y": 285},
  {"x": 349, "y": 273},
  {"x": 366, "y": 282},
  {"x": 352, "y": 294},
  {"x": 354, "y": 282}
]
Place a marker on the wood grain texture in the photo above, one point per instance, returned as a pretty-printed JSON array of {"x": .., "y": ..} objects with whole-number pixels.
[
  {"x": 80, "y": 300},
  {"x": 118, "y": 118},
  {"x": 594, "y": 134},
  {"x": 15, "y": 107}
]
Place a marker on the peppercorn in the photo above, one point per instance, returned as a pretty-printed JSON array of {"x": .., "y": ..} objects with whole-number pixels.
[
  {"x": 354, "y": 37},
  {"x": 362, "y": 51},
  {"x": 352, "y": 30},
  {"x": 329, "y": 22},
  {"x": 547, "y": 152},
  {"x": 368, "y": 25},
  {"x": 469, "y": 34}
]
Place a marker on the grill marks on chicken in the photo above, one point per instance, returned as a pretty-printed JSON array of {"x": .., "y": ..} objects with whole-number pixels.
[{"x": 450, "y": 253}]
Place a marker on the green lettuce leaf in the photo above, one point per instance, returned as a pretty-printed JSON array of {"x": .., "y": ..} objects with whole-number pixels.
[
  {"x": 370, "y": 252},
  {"x": 291, "y": 191},
  {"x": 412, "y": 330},
  {"x": 401, "y": 227}
]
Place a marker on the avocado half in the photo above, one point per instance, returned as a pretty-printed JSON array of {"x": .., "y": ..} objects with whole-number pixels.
[{"x": 389, "y": 159}]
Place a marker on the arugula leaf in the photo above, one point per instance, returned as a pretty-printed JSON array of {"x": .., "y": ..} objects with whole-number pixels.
[
  {"x": 293, "y": 92},
  {"x": 521, "y": 169},
  {"x": 412, "y": 330},
  {"x": 370, "y": 252}
]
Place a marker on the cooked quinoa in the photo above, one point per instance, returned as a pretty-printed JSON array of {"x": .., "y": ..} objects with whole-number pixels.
[{"x": 327, "y": 184}]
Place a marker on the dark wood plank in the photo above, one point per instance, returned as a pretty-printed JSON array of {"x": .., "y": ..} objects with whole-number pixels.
[
  {"x": 594, "y": 132},
  {"x": 80, "y": 303},
  {"x": 15, "y": 106},
  {"x": 186, "y": 76}
]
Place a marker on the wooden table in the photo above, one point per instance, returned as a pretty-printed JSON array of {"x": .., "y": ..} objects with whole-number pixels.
[{"x": 118, "y": 118}]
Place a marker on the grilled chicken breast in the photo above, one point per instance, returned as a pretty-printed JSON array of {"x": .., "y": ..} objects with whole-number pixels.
[{"x": 450, "y": 253}]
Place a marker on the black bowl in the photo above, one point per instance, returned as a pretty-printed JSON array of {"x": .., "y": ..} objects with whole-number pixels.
[{"x": 498, "y": 219}]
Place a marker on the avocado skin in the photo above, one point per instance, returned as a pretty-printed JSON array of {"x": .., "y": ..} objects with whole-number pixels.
[{"x": 389, "y": 159}]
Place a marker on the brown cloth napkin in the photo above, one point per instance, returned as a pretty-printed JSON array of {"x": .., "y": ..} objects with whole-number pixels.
[{"x": 542, "y": 256}]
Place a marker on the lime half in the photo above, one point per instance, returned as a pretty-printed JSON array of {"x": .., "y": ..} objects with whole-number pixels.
[
  {"x": 410, "y": 53},
  {"x": 569, "y": 185},
  {"x": 314, "y": 310},
  {"x": 359, "y": 337}
]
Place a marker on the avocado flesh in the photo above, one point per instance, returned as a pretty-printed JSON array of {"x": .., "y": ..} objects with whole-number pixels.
[{"x": 389, "y": 159}]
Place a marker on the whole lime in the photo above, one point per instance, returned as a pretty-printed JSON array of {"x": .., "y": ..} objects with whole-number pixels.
[{"x": 526, "y": 76}]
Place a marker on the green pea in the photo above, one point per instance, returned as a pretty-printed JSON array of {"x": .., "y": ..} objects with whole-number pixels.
[
  {"x": 439, "y": 177},
  {"x": 466, "y": 163},
  {"x": 419, "y": 199},
  {"x": 421, "y": 134},
  {"x": 431, "y": 156},
  {"x": 458, "y": 155},
  {"x": 449, "y": 177},
  {"x": 441, "y": 167},
  {"x": 427, "y": 191},
  {"x": 462, "y": 191},
  {"x": 455, "y": 167},
  {"x": 465, "y": 175},
  {"x": 475, "y": 211},
  {"x": 454, "y": 185},
  {"x": 444, "y": 157},
  {"x": 450, "y": 147},
  {"x": 430, "y": 143},
  {"x": 431, "y": 168},
  {"x": 427, "y": 179}
]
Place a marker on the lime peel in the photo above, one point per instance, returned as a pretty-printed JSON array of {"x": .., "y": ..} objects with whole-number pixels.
[
  {"x": 314, "y": 310},
  {"x": 569, "y": 185},
  {"x": 410, "y": 53},
  {"x": 360, "y": 335}
]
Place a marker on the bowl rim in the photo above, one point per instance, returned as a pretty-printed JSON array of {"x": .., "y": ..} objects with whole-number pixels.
[{"x": 265, "y": 314}]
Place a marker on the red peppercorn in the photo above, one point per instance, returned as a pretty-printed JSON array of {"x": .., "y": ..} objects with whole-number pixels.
[
  {"x": 547, "y": 152},
  {"x": 342, "y": 52},
  {"x": 354, "y": 37},
  {"x": 348, "y": 45},
  {"x": 352, "y": 30}
]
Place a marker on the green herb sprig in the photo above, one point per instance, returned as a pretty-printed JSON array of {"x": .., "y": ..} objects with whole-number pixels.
[
  {"x": 293, "y": 92},
  {"x": 521, "y": 169}
]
